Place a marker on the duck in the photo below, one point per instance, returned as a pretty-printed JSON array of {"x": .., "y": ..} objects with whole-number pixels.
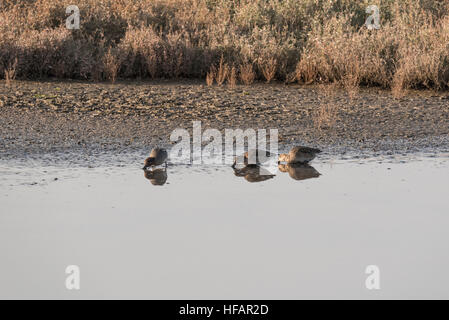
[
  {"x": 299, "y": 154},
  {"x": 298, "y": 171},
  {"x": 250, "y": 156},
  {"x": 157, "y": 157}
]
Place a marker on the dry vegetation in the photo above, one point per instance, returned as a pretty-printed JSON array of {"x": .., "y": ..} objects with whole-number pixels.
[
  {"x": 210, "y": 76},
  {"x": 317, "y": 41},
  {"x": 110, "y": 65},
  {"x": 10, "y": 71},
  {"x": 247, "y": 74},
  {"x": 232, "y": 78},
  {"x": 222, "y": 72},
  {"x": 325, "y": 115}
]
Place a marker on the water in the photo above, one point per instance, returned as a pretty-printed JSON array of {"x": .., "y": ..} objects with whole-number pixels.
[{"x": 208, "y": 234}]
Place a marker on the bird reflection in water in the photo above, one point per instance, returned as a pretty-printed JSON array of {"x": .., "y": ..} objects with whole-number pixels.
[
  {"x": 253, "y": 173},
  {"x": 157, "y": 177},
  {"x": 299, "y": 171}
]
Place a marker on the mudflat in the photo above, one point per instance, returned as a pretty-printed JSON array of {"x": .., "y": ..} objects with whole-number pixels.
[{"x": 54, "y": 116}]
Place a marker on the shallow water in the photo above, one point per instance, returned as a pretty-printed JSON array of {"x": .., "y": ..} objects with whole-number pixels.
[{"x": 206, "y": 233}]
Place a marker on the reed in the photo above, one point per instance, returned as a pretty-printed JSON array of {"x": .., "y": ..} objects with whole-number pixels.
[{"x": 269, "y": 40}]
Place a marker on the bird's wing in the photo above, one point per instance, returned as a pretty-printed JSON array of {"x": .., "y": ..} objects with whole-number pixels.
[{"x": 309, "y": 150}]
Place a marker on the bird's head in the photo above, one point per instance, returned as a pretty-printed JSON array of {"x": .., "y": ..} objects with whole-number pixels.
[{"x": 148, "y": 163}]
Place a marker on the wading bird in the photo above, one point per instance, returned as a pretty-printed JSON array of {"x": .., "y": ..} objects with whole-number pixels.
[
  {"x": 252, "y": 157},
  {"x": 299, "y": 155},
  {"x": 157, "y": 157}
]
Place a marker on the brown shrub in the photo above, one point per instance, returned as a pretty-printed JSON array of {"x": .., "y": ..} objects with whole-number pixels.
[
  {"x": 268, "y": 67},
  {"x": 111, "y": 65},
  {"x": 211, "y": 76},
  {"x": 321, "y": 42},
  {"x": 10, "y": 71},
  {"x": 222, "y": 72},
  {"x": 411, "y": 51},
  {"x": 247, "y": 74},
  {"x": 232, "y": 78},
  {"x": 140, "y": 50}
]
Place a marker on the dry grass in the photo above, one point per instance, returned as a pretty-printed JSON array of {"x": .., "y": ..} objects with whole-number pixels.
[
  {"x": 232, "y": 78},
  {"x": 211, "y": 76},
  {"x": 325, "y": 116},
  {"x": 350, "y": 82},
  {"x": 222, "y": 72},
  {"x": 318, "y": 41},
  {"x": 409, "y": 51},
  {"x": 247, "y": 74},
  {"x": 10, "y": 71},
  {"x": 111, "y": 65},
  {"x": 268, "y": 67},
  {"x": 327, "y": 90}
]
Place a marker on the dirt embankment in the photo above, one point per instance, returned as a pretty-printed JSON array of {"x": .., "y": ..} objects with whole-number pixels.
[{"x": 43, "y": 117}]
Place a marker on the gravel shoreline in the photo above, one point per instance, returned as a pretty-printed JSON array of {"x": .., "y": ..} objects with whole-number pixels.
[{"x": 80, "y": 118}]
